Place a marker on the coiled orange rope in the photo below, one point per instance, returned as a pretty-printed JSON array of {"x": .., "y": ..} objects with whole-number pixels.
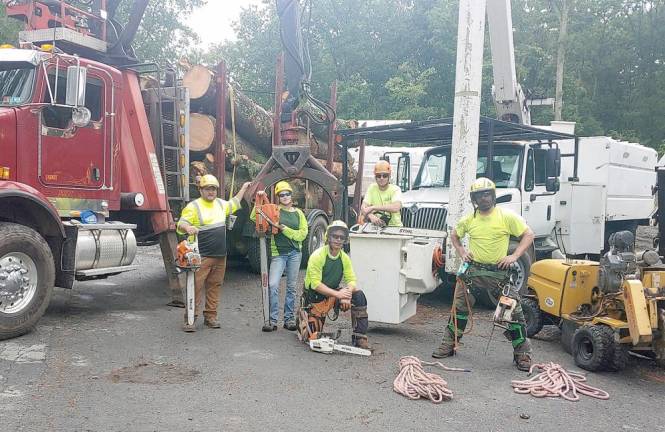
[{"x": 555, "y": 381}]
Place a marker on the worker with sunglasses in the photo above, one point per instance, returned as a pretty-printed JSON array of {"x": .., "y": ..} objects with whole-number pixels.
[
  {"x": 383, "y": 201},
  {"x": 330, "y": 285},
  {"x": 285, "y": 252}
]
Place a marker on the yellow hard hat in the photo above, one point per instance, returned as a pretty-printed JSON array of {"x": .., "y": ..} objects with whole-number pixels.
[
  {"x": 335, "y": 226},
  {"x": 282, "y": 186},
  {"x": 208, "y": 180},
  {"x": 482, "y": 184},
  {"x": 382, "y": 166}
]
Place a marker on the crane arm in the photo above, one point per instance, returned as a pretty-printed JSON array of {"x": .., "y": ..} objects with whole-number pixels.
[{"x": 509, "y": 99}]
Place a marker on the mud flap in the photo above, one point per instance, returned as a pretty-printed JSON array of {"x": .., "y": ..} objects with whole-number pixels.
[{"x": 567, "y": 331}]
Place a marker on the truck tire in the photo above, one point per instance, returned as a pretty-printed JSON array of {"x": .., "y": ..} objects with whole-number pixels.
[
  {"x": 315, "y": 238},
  {"x": 593, "y": 347},
  {"x": 523, "y": 266},
  {"x": 27, "y": 275},
  {"x": 619, "y": 359},
  {"x": 533, "y": 316},
  {"x": 254, "y": 254}
]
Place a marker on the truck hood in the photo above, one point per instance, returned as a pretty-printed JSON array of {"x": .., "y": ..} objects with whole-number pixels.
[
  {"x": 438, "y": 195},
  {"x": 426, "y": 195}
]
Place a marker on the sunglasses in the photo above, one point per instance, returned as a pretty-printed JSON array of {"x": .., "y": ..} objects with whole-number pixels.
[
  {"x": 382, "y": 176},
  {"x": 338, "y": 237},
  {"x": 284, "y": 194}
]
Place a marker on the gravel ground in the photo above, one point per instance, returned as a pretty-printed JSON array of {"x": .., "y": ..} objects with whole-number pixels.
[{"x": 110, "y": 356}]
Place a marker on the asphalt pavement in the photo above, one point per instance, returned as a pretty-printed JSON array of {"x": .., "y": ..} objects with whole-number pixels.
[{"x": 110, "y": 356}]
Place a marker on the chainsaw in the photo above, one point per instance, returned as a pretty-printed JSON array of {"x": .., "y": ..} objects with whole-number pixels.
[
  {"x": 327, "y": 345},
  {"x": 267, "y": 222},
  {"x": 503, "y": 314},
  {"x": 188, "y": 259}
]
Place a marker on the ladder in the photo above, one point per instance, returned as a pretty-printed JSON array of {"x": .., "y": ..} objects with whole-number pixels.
[{"x": 168, "y": 115}]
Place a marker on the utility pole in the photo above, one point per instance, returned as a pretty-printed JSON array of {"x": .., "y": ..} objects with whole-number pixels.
[{"x": 466, "y": 117}]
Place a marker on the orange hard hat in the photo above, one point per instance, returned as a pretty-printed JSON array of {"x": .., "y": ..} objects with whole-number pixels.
[{"x": 382, "y": 166}]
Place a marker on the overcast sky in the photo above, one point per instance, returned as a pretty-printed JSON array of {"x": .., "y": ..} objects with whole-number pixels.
[{"x": 213, "y": 21}]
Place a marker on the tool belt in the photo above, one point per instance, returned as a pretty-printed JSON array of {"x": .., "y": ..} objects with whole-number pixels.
[{"x": 476, "y": 269}]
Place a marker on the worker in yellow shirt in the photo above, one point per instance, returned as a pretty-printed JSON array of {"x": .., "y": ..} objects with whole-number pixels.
[
  {"x": 330, "y": 285},
  {"x": 383, "y": 201},
  {"x": 206, "y": 216},
  {"x": 489, "y": 229}
]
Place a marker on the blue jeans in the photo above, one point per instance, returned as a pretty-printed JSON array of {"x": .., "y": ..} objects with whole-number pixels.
[{"x": 290, "y": 262}]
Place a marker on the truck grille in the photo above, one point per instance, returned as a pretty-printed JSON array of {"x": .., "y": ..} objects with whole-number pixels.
[{"x": 433, "y": 218}]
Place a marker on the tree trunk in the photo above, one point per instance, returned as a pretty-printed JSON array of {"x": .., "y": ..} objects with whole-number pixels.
[
  {"x": 199, "y": 80},
  {"x": 561, "y": 57},
  {"x": 252, "y": 122},
  {"x": 201, "y": 132}
]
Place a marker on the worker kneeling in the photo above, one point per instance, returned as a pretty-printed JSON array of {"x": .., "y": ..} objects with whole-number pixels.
[
  {"x": 330, "y": 284},
  {"x": 489, "y": 229}
]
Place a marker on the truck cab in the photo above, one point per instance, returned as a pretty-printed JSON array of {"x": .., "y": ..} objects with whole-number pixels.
[
  {"x": 572, "y": 203},
  {"x": 519, "y": 171},
  {"x": 80, "y": 177},
  {"x": 64, "y": 151}
]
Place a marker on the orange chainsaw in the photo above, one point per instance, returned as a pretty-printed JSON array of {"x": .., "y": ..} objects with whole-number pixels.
[{"x": 267, "y": 223}]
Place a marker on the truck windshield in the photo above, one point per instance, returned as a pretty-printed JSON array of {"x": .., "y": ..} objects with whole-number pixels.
[
  {"x": 435, "y": 169},
  {"x": 16, "y": 81}
]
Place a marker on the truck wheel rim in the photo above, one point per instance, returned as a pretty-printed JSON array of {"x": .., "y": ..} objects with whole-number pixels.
[
  {"x": 586, "y": 349},
  {"x": 519, "y": 275},
  {"x": 18, "y": 282},
  {"x": 317, "y": 239}
]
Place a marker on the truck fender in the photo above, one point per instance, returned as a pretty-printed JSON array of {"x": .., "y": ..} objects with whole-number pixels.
[
  {"x": 30, "y": 207},
  {"x": 24, "y": 205},
  {"x": 312, "y": 214}
]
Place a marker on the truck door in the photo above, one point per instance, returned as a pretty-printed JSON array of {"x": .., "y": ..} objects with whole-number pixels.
[
  {"x": 538, "y": 204},
  {"x": 74, "y": 157}
]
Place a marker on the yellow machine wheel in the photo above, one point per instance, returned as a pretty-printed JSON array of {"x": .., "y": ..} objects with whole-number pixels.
[
  {"x": 594, "y": 349},
  {"x": 533, "y": 316}
]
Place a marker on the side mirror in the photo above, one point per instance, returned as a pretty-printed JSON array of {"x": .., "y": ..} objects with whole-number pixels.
[
  {"x": 77, "y": 78},
  {"x": 81, "y": 116},
  {"x": 404, "y": 172},
  {"x": 553, "y": 163},
  {"x": 552, "y": 184}
]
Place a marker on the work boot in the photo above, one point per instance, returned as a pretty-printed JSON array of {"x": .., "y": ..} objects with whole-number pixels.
[
  {"x": 361, "y": 342},
  {"x": 187, "y": 328},
  {"x": 290, "y": 326},
  {"x": 522, "y": 361},
  {"x": 212, "y": 323},
  {"x": 446, "y": 349},
  {"x": 268, "y": 328}
]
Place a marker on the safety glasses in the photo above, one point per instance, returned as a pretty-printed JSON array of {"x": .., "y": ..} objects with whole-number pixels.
[
  {"x": 382, "y": 176},
  {"x": 284, "y": 194},
  {"x": 338, "y": 237}
]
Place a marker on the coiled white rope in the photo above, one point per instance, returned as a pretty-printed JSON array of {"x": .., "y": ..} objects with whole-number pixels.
[
  {"x": 414, "y": 383},
  {"x": 555, "y": 381}
]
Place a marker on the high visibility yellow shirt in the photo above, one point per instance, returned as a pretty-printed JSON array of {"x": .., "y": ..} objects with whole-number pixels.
[
  {"x": 376, "y": 197},
  {"x": 489, "y": 236},
  {"x": 212, "y": 212}
]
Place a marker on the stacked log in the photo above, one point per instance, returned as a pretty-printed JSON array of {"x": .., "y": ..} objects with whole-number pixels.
[{"x": 250, "y": 148}]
